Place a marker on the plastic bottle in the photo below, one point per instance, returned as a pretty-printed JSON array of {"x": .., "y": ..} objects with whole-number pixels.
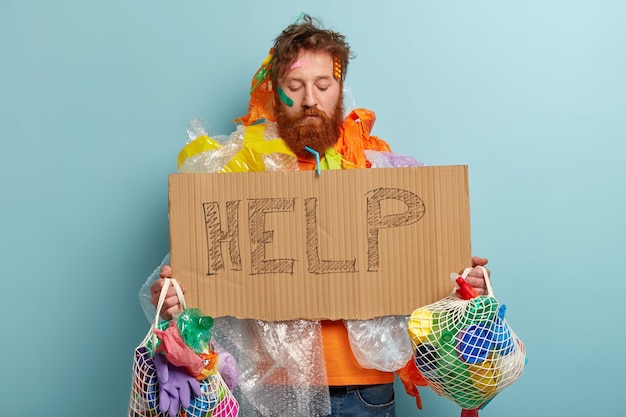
[
  {"x": 450, "y": 368},
  {"x": 475, "y": 343},
  {"x": 420, "y": 325},
  {"x": 480, "y": 310},
  {"x": 426, "y": 361},
  {"x": 484, "y": 377},
  {"x": 455, "y": 375},
  {"x": 195, "y": 329},
  {"x": 503, "y": 339}
]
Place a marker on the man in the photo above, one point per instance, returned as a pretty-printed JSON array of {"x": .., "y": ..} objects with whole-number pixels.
[{"x": 299, "y": 91}]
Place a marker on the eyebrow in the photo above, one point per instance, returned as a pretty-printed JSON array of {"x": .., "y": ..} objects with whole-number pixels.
[{"x": 321, "y": 77}]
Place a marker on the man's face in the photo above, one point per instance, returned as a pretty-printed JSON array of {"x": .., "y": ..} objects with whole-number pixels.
[
  {"x": 309, "y": 82},
  {"x": 310, "y": 110}
]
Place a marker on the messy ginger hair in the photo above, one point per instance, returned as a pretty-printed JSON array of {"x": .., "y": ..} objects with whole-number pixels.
[{"x": 308, "y": 35}]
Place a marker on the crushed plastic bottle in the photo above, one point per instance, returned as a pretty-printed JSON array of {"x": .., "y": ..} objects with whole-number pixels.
[{"x": 195, "y": 329}]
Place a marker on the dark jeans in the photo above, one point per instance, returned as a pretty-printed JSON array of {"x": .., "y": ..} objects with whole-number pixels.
[{"x": 362, "y": 401}]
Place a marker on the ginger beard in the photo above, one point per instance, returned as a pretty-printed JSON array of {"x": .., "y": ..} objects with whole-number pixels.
[{"x": 319, "y": 133}]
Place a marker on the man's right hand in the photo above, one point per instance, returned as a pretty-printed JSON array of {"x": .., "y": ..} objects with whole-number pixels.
[{"x": 171, "y": 304}]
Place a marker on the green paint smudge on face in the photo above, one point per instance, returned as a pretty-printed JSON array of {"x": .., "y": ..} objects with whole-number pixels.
[{"x": 284, "y": 97}]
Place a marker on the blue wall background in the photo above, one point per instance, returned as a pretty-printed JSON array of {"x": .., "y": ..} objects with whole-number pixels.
[{"x": 95, "y": 98}]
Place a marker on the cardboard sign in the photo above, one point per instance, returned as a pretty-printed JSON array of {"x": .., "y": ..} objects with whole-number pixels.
[{"x": 346, "y": 244}]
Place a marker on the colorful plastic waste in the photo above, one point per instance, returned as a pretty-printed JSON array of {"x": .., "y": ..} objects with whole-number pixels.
[{"x": 464, "y": 348}]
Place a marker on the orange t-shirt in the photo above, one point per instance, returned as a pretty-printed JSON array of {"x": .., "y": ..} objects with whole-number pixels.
[{"x": 342, "y": 368}]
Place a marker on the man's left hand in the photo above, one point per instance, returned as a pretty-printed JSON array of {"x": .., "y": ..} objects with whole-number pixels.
[{"x": 475, "y": 278}]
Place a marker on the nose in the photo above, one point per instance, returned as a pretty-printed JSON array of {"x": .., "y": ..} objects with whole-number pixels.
[{"x": 309, "y": 99}]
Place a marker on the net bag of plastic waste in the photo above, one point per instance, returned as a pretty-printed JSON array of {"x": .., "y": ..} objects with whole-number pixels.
[
  {"x": 175, "y": 370},
  {"x": 464, "y": 347}
]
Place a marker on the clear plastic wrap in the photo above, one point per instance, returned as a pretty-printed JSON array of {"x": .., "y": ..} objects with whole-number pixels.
[
  {"x": 235, "y": 153},
  {"x": 210, "y": 160},
  {"x": 144, "y": 293},
  {"x": 379, "y": 159},
  {"x": 282, "y": 368},
  {"x": 380, "y": 343},
  {"x": 195, "y": 129}
]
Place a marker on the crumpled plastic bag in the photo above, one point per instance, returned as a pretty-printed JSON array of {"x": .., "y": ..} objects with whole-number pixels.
[
  {"x": 381, "y": 159},
  {"x": 281, "y": 364},
  {"x": 176, "y": 351},
  {"x": 380, "y": 343}
]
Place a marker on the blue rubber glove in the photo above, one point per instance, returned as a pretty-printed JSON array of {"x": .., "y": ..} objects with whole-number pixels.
[{"x": 176, "y": 386}]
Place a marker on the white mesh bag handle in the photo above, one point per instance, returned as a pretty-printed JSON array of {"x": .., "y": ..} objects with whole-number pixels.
[
  {"x": 162, "y": 296},
  {"x": 466, "y": 272}
]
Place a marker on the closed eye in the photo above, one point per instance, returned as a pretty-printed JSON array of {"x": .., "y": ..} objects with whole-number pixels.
[{"x": 294, "y": 87}]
